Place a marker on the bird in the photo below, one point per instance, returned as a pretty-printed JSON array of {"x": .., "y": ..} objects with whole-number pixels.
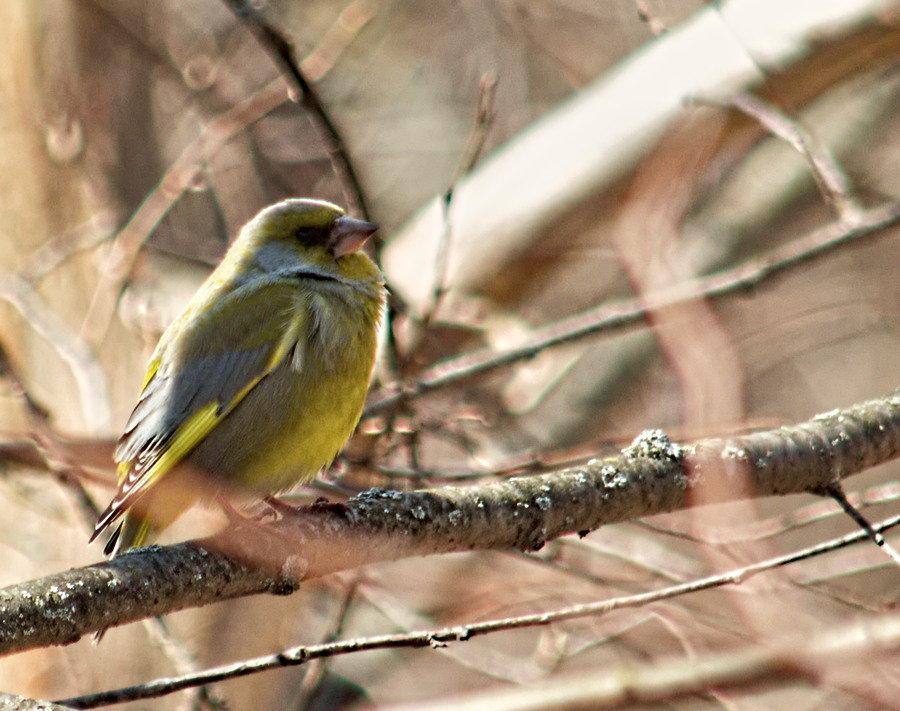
[{"x": 261, "y": 379}]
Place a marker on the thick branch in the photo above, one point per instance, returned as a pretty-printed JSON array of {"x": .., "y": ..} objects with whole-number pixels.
[
  {"x": 295, "y": 656},
  {"x": 649, "y": 477},
  {"x": 11, "y": 702}
]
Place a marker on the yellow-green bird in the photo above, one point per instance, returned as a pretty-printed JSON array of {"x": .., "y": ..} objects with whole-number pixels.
[{"x": 261, "y": 379}]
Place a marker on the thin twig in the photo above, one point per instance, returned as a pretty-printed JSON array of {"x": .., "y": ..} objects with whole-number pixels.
[
  {"x": 280, "y": 49},
  {"x": 656, "y": 26},
  {"x": 484, "y": 117},
  {"x": 829, "y": 176},
  {"x": 315, "y": 675},
  {"x": 836, "y": 492},
  {"x": 484, "y": 120},
  {"x": 438, "y": 637},
  {"x": 777, "y": 525},
  {"x": 628, "y": 312},
  {"x": 179, "y": 176}
]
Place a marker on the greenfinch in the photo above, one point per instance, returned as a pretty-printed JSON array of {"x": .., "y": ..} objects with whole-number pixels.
[{"x": 262, "y": 378}]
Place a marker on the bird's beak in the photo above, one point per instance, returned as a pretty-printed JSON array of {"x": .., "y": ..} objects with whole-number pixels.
[{"x": 348, "y": 235}]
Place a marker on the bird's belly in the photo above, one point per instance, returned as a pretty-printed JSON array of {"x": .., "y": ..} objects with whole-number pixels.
[{"x": 285, "y": 429}]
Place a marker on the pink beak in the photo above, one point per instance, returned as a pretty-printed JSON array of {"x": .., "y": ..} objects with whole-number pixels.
[{"x": 348, "y": 235}]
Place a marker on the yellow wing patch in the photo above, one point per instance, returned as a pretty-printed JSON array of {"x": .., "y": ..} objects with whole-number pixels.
[
  {"x": 152, "y": 369},
  {"x": 194, "y": 429},
  {"x": 200, "y": 423},
  {"x": 142, "y": 468}
]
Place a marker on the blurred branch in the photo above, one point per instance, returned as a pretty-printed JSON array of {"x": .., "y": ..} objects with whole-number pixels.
[
  {"x": 174, "y": 182},
  {"x": 589, "y": 141},
  {"x": 778, "y": 525},
  {"x": 55, "y": 252},
  {"x": 47, "y": 442},
  {"x": 461, "y": 633},
  {"x": 629, "y": 684},
  {"x": 651, "y": 476},
  {"x": 627, "y": 312},
  {"x": 277, "y": 45},
  {"x": 82, "y": 362},
  {"x": 829, "y": 176},
  {"x": 181, "y": 173}
]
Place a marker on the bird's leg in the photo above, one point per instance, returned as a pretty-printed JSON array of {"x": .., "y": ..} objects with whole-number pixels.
[
  {"x": 281, "y": 506},
  {"x": 237, "y": 520},
  {"x": 235, "y": 517}
]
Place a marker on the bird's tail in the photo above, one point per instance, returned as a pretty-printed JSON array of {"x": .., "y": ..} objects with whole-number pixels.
[
  {"x": 133, "y": 532},
  {"x": 149, "y": 514}
]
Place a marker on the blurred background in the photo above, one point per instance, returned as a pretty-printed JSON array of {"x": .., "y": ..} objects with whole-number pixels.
[{"x": 526, "y": 162}]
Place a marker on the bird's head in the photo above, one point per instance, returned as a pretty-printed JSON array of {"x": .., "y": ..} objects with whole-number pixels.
[{"x": 314, "y": 231}]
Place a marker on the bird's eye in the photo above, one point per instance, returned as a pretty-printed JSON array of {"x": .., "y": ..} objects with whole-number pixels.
[{"x": 305, "y": 235}]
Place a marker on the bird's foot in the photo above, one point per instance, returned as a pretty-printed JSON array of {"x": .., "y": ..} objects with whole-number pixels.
[
  {"x": 280, "y": 506},
  {"x": 257, "y": 522}
]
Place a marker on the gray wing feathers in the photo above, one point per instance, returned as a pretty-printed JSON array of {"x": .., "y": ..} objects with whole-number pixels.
[{"x": 176, "y": 392}]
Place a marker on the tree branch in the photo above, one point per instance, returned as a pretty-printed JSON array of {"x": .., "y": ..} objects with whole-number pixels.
[
  {"x": 627, "y": 312},
  {"x": 651, "y": 476},
  {"x": 281, "y": 51},
  {"x": 13, "y": 702},
  {"x": 630, "y": 684},
  {"x": 296, "y": 656}
]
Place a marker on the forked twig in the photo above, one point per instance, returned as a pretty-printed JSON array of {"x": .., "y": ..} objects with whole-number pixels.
[{"x": 829, "y": 176}]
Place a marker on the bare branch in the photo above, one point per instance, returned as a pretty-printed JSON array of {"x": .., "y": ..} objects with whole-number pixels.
[
  {"x": 651, "y": 476},
  {"x": 82, "y": 362},
  {"x": 628, "y": 685},
  {"x": 461, "y": 633},
  {"x": 280, "y": 49},
  {"x": 829, "y": 176},
  {"x": 627, "y": 312},
  {"x": 836, "y": 492}
]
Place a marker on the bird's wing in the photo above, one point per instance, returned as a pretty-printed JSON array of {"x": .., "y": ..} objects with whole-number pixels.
[{"x": 200, "y": 375}]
